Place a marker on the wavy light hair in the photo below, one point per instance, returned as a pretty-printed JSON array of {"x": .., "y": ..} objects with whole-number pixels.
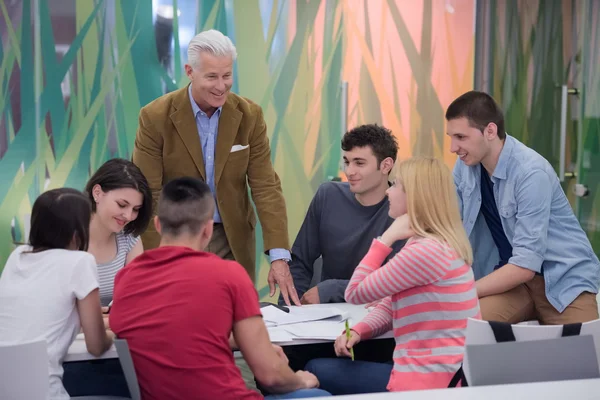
[
  {"x": 432, "y": 203},
  {"x": 212, "y": 42}
]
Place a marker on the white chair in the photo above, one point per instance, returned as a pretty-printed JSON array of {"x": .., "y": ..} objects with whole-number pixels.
[
  {"x": 480, "y": 332},
  {"x": 128, "y": 368},
  {"x": 24, "y": 371}
]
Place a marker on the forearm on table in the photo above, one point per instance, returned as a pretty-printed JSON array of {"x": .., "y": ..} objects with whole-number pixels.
[
  {"x": 377, "y": 322},
  {"x": 332, "y": 290}
]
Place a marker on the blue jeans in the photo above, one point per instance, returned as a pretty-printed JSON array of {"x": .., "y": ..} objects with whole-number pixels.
[
  {"x": 344, "y": 376},
  {"x": 299, "y": 394}
]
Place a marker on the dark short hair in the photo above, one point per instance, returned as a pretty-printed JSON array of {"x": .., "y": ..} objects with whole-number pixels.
[
  {"x": 59, "y": 216},
  {"x": 185, "y": 204},
  {"x": 119, "y": 173},
  {"x": 479, "y": 109},
  {"x": 380, "y": 139}
]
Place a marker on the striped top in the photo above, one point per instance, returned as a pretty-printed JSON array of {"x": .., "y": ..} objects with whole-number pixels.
[
  {"x": 107, "y": 271},
  {"x": 428, "y": 293}
]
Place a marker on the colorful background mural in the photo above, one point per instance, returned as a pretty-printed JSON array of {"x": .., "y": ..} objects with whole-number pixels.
[
  {"x": 74, "y": 74},
  {"x": 535, "y": 47}
]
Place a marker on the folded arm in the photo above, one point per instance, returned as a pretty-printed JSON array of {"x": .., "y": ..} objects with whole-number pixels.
[
  {"x": 415, "y": 265},
  {"x": 534, "y": 198},
  {"x": 377, "y": 322},
  {"x": 332, "y": 290}
]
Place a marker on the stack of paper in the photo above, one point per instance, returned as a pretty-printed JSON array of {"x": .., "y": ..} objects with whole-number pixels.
[
  {"x": 279, "y": 335},
  {"x": 320, "y": 330},
  {"x": 305, "y": 313}
]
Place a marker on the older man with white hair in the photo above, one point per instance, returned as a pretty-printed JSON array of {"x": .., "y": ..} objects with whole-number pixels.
[
  {"x": 205, "y": 131},
  {"x": 208, "y": 132}
]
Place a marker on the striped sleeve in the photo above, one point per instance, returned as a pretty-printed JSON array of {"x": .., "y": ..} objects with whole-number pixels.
[
  {"x": 419, "y": 263},
  {"x": 131, "y": 242},
  {"x": 377, "y": 322}
]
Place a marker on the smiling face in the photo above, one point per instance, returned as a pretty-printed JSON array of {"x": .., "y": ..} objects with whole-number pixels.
[
  {"x": 362, "y": 170},
  {"x": 211, "y": 81},
  {"x": 116, "y": 208},
  {"x": 469, "y": 143}
]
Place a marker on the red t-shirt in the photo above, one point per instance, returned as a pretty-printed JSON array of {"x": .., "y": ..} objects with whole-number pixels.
[{"x": 176, "y": 308}]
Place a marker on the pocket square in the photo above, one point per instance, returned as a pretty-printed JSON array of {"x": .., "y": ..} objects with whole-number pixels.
[{"x": 238, "y": 147}]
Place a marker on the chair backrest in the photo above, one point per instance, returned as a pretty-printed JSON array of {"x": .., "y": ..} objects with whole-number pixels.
[
  {"x": 317, "y": 272},
  {"x": 24, "y": 371},
  {"x": 128, "y": 368},
  {"x": 480, "y": 332}
]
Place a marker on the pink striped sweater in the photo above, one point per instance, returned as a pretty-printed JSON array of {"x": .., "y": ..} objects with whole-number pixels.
[{"x": 428, "y": 293}]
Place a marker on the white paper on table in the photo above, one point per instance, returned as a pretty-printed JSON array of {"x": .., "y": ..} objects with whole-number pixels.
[
  {"x": 302, "y": 314},
  {"x": 317, "y": 330},
  {"x": 279, "y": 335}
]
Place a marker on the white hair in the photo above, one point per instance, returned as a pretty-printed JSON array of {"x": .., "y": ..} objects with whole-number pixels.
[{"x": 212, "y": 42}]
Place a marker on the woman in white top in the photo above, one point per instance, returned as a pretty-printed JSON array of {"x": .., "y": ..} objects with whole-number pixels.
[
  {"x": 121, "y": 210},
  {"x": 49, "y": 289}
]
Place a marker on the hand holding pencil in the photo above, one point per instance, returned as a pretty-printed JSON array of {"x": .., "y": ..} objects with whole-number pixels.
[{"x": 344, "y": 344}]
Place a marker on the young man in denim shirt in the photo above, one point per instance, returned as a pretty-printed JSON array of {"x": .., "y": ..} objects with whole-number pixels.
[{"x": 532, "y": 259}]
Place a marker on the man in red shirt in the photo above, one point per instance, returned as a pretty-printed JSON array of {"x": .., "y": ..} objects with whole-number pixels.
[{"x": 183, "y": 310}]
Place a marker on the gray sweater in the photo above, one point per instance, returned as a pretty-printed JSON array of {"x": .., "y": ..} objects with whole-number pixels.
[{"x": 340, "y": 230}]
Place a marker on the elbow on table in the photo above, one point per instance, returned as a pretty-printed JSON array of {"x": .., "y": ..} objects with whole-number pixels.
[
  {"x": 95, "y": 349},
  {"x": 351, "y": 297}
]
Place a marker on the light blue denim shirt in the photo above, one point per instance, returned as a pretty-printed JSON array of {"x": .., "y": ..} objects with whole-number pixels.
[
  {"x": 537, "y": 219},
  {"x": 208, "y": 129}
]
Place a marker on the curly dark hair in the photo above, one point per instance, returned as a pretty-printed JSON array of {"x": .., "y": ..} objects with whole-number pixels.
[{"x": 381, "y": 140}]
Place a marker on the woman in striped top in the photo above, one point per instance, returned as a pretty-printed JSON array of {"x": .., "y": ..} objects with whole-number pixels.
[
  {"x": 122, "y": 208},
  {"x": 427, "y": 290}
]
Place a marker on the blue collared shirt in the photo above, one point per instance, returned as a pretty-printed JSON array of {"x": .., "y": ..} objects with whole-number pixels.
[
  {"x": 208, "y": 129},
  {"x": 537, "y": 220}
]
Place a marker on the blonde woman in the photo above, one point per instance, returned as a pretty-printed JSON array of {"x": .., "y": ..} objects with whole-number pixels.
[{"x": 428, "y": 290}]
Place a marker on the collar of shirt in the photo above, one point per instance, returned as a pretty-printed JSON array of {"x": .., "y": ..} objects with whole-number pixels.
[
  {"x": 197, "y": 109},
  {"x": 502, "y": 166}
]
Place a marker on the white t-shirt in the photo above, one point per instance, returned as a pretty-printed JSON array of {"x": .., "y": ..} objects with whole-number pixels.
[{"x": 37, "y": 302}]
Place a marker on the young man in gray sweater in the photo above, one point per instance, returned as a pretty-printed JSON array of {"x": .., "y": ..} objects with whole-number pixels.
[
  {"x": 342, "y": 220},
  {"x": 344, "y": 217}
]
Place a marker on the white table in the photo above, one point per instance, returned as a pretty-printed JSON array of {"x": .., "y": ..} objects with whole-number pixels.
[
  {"x": 356, "y": 312},
  {"x": 78, "y": 351},
  {"x": 586, "y": 389}
]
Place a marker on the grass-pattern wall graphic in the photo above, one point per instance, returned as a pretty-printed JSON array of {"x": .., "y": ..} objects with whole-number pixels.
[
  {"x": 536, "y": 47},
  {"x": 99, "y": 63}
]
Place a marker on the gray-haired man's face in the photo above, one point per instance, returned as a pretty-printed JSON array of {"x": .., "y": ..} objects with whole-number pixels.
[{"x": 211, "y": 81}]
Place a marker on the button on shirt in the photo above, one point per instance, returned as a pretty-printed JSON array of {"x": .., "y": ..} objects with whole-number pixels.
[
  {"x": 208, "y": 129},
  {"x": 537, "y": 219}
]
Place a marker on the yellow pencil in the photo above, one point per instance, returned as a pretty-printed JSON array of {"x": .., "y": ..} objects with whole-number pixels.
[{"x": 348, "y": 338}]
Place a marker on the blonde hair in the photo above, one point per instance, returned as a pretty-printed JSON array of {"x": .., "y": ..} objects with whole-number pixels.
[{"x": 432, "y": 203}]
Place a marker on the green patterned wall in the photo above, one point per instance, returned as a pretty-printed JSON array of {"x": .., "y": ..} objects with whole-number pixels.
[
  {"x": 589, "y": 148},
  {"x": 537, "y": 46},
  {"x": 74, "y": 74}
]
